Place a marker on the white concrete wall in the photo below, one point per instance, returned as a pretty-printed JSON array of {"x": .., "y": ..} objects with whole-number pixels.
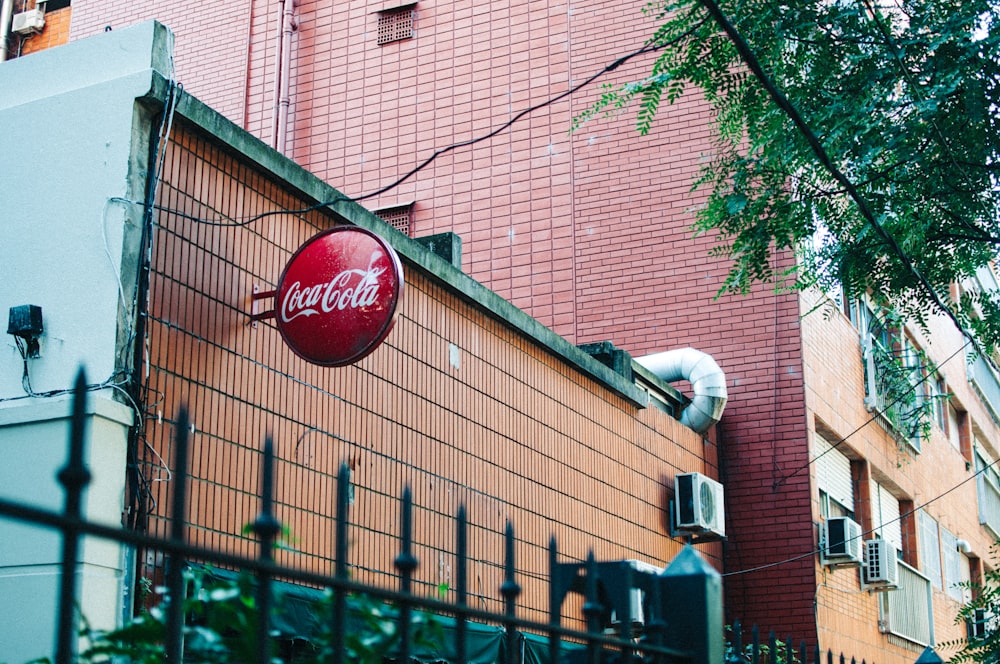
[
  {"x": 66, "y": 150},
  {"x": 73, "y": 137},
  {"x": 34, "y": 446}
]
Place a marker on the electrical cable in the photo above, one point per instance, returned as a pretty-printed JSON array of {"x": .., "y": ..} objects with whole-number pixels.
[
  {"x": 140, "y": 498},
  {"x": 780, "y": 100},
  {"x": 873, "y": 418},
  {"x": 646, "y": 48},
  {"x": 873, "y": 530}
]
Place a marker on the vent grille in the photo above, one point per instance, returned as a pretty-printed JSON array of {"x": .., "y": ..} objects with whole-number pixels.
[
  {"x": 398, "y": 217},
  {"x": 395, "y": 24}
]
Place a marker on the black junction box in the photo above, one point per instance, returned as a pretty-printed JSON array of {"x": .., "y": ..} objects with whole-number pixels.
[{"x": 25, "y": 321}]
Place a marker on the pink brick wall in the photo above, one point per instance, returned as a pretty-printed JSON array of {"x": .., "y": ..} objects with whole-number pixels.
[
  {"x": 589, "y": 232},
  {"x": 212, "y": 43}
]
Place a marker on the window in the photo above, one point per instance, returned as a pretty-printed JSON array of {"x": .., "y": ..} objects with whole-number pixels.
[
  {"x": 955, "y": 427},
  {"x": 833, "y": 477},
  {"x": 930, "y": 549},
  {"x": 940, "y": 402},
  {"x": 886, "y": 520},
  {"x": 905, "y": 611},
  {"x": 988, "y": 488},
  {"x": 955, "y": 566},
  {"x": 395, "y": 24},
  {"x": 897, "y": 387}
]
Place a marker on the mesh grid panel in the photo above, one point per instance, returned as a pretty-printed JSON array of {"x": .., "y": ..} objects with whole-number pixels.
[{"x": 395, "y": 24}]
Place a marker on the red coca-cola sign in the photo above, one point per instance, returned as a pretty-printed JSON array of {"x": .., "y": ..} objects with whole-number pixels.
[{"x": 336, "y": 299}]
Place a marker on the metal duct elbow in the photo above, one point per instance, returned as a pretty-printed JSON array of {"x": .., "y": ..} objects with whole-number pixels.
[{"x": 707, "y": 381}]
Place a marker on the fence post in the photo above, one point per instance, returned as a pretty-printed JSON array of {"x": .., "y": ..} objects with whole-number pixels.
[
  {"x": 406, "y": 563},
  {"x": 74, "y": 477},
  {"x": 340, "y": 564},
  {"x": 178, "y": 528},
  {"x": 510, "y": 589},
  {"x": 692, "y": 607},
  {"x": 555, "y": 603},
  {"x": 929, "y": 656},
  {"x": 267, "y": 528},
  {"x": 736, "y": 645},
  {"x": 461, "y": 583}
]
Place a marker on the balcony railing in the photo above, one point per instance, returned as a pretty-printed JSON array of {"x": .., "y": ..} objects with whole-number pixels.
[
  {"x": 905, "y": 611},
  {"x": 892, "y": 393}
]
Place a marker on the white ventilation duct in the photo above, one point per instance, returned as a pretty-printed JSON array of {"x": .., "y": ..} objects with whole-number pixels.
[{"x": 707, "y": 381}]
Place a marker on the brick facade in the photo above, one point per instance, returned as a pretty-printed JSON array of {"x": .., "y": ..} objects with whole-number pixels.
[
  {"x": 55, "y": 33},
  {"x": 456, "y": 404}
]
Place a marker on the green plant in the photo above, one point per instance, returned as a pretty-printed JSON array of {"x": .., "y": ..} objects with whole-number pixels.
[
  {"x": 220, "y": 627},
  {"x": 980, "y": 616},
  {"x": 764, "y": 655}
]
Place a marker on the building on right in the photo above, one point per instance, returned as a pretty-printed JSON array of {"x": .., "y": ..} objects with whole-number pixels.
[{"x": 902, "y": 456}]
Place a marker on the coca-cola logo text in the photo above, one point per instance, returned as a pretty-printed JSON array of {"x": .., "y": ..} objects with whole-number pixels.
[
  {"x": 337, "y": 296},
  {"x": 351, "y": 289}
]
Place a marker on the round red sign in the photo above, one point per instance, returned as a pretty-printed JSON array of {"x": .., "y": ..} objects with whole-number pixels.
[{"x": 336, "y": 299}]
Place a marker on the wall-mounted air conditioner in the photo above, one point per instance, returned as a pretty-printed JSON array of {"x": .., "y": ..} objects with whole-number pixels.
[
  {"x": 698, "y": 505},
  {"x": 881, "y": 569},
  {"x": 28, "y": 22},
  {"x": 840, "y": 542},
  {"x": 638, "y": 598}
]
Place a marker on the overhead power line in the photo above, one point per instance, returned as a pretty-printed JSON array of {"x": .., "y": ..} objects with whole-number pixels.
[{"x": 779, "y": 98}]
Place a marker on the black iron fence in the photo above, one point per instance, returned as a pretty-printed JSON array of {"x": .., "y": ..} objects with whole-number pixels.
[{"x": 631, "y": 613}]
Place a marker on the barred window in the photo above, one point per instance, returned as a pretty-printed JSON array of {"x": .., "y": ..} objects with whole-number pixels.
[{"x": 395, "y": 24}]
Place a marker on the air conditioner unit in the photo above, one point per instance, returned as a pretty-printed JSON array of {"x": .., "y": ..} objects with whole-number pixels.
[
  {"x": 880, "y": 567},
  {"x": 637, "y": 597},
  {"x": 28, "y": 22},
  {"x": 698, "y": 505},
  {"x": 840, "y": 542}
]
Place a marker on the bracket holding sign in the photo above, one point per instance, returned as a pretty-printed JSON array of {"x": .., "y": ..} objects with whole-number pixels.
[
  {"x": 256, "y": 315},
  {"x": 336, "y": 298}
]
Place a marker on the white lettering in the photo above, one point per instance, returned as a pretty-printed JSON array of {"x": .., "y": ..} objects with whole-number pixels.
[{"x": 350, "y": 289}]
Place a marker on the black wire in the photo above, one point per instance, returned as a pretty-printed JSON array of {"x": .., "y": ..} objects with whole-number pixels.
[
  {"x": 873, "y": 530},
  {"x": 780, "y": 100},
  {"x": 647, "y": 48},
  {"x": 923, "y": 379}
]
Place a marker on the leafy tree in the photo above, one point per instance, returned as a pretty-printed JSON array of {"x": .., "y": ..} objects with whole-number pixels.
[
  {"x": 981, "y": 616},
  {"x": 864, "y": 136}
]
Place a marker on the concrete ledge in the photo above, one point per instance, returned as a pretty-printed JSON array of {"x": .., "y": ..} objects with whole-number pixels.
[{"x": 33, "y": 410}]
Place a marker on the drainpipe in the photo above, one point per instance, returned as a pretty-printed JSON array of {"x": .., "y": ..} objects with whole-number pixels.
[
  {"x": 6, "y": 12},
  {"x": 707, "y": 381},
  {"x": 283, "y": 72}
]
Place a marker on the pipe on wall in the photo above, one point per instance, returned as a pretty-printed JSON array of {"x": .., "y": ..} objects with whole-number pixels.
[
  {"x": 708, "y": 383},
  {"x": 6, "y": 14},
  {"x": 283, "y": 71}
]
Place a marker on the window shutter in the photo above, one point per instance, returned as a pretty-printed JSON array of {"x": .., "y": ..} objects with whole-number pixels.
[
  {"x": 886, "y": 516},
  {"x": 833, "y": 472},
  {"x": 930, "y": 549}
]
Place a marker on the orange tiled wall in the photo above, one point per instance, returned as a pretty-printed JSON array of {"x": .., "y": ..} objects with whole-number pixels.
[
  {"x": 55, "y": 33},
  {"x": 454, "y": 404}
]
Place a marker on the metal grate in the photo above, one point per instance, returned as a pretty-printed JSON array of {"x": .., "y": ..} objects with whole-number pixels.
[
  {"x": 395, "y": 24},
  {"x": 398, "y": 217}
]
